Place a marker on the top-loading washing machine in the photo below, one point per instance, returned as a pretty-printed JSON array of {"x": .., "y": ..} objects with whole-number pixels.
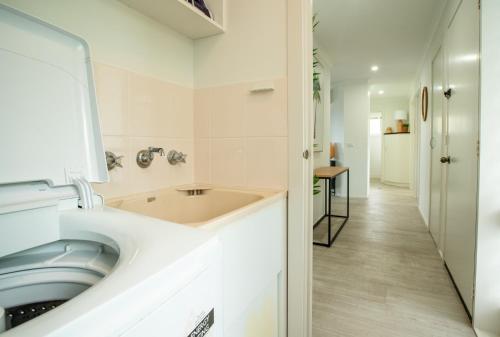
[{"x": 68, "y": 265}]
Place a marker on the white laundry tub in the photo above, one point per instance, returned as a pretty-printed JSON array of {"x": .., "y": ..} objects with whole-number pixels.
[{"x": 251, "y": 225}]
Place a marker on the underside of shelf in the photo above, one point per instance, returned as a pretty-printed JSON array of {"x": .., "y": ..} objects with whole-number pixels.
[{"x": 183, "y": 17}]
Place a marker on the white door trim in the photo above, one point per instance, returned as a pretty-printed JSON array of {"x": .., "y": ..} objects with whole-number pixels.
[{"x": 300, "y": 134}]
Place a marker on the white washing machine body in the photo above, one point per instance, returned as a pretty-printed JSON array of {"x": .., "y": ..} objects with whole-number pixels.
[{"x": 68, "y": 265}]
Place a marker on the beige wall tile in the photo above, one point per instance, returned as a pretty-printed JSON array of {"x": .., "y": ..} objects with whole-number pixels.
[
  {"x": 150, "y": 103},
  {"x": 202, "y": 156},
  {"x": 241, "y": 136},
  {"x": 266, "y": 112},
  {"x": 144, "y": 112},
  {"x": 228, "y": 161},
  {"x": 161, "y": 174},
  {"x": 266, "y": 163},
  {"x": 112, "y": 96},
  {"x": 118, "y": 178},
  {"x": 182, "y": 173},
  {"x": 227, "y": 112},
  {"x": 203, "y": 104},
  {"x": 180, "y": 118},
  {"x": 231, "y": 137}
]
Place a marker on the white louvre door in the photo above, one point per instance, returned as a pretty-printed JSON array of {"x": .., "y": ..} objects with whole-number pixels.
[
  {"x": 437, "y": 149},
  {"x": 463, "y": 112}
]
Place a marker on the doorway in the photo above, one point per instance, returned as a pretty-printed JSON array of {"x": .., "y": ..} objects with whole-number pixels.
[{"x": 389, "y": 222}]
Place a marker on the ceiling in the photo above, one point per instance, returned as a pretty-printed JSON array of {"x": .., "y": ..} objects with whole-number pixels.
[{"x": 393, "y": 34}]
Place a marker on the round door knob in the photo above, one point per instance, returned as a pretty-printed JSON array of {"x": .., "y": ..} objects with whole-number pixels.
[{"x": 445, "y": 160}]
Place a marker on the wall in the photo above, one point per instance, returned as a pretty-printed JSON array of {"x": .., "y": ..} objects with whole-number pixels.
[
  {"x": 254, "y": 47},
  {"x": 337, "y": 123},
  {"x": 352, "y": 101},
  {"x": 322, "y": 158},
  {"x": 119, "y": 36},
  {"x": 387, "y": 106},
  {"x": 241, "y": 137},
  {"x": 139, "y": 111},
  {"x": 375, "y": 147},
  {"x": 144, "y": 79},
  {"x": 487, "y": 303},
  {"x": 424, "y": 78}
]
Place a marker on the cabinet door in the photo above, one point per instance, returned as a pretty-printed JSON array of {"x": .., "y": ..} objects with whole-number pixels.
[
  {"x": 463, "y": 114},
  {"x": 397, "y": 159}
]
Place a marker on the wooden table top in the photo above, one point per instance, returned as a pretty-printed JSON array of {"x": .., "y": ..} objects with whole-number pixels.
[{"x": 329, "y": 171}]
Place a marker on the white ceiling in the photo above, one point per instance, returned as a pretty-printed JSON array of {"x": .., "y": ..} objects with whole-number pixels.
[{"x": 393, "y": 34}]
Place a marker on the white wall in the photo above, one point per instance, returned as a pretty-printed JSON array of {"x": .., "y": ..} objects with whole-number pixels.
[
  {"x": 253, "y": 48},
  {"x": 144, "y": 84},
  {"x": 352, "y": 101},
  {"x": 241, "y": 136},
  {"x": 337, "y": 122},
  {"x": 119, "y": 36},
  {"x": 387, "y": 106},
  {"x": 376, "y": 149},
  {"x": 487, "y": 303},
  {"x": 322, "y": 158},
  {"x": 424, "y": 78}
]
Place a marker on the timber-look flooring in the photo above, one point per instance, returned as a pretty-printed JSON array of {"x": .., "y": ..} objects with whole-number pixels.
[{"x": 383, "y": 277}]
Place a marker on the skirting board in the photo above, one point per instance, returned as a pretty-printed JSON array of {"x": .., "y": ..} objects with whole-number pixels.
[
  {"x": 426, "y": 222},
  {"x": 480, "y": 333}
]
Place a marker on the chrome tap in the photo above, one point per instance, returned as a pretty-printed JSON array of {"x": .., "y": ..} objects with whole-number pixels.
[
  {"x": 175, "y": 157},
  {"x": 158, "y": 150},
  {"x": 112, "y": 160},
  {"x": 145, "y": 157}
]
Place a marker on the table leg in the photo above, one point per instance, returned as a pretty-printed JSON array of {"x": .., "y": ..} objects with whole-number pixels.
[
  {"x": 348, "y": 179},
  {"x": 329, "y": 215},
  {"x": 328, "y": 211}
]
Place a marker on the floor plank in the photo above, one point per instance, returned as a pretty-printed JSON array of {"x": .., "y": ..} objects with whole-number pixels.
[{"x": 384, "y": 276}]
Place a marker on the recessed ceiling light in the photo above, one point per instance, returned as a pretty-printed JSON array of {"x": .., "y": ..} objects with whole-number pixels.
[
  {"x": 381, "y": 92},
  {"x": 374, "y": 68}
]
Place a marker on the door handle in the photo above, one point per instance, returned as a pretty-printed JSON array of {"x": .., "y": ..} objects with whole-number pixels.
[{"x": 445, "y": 160}]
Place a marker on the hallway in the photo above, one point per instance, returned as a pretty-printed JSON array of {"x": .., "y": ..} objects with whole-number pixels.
[{"x": 383, "y": 277}]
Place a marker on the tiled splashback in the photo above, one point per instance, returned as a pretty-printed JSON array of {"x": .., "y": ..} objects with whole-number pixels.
[
  {"x": 241, "y": 136},
  {"x": 232, "y": 137},
  {"x": 136, "y": 112}
]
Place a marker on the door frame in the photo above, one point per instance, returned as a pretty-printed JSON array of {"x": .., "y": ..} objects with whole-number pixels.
[
  {"x": 300, "y": 171},
  {"x": 444, "y": 117}
]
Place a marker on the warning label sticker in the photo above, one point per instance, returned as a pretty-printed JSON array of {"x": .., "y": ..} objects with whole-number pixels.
[{"x": 204, "y": 326}]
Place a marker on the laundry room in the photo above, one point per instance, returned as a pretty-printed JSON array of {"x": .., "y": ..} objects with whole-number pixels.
[
  {"x": 249, "y": 168},
  {"x": 148, "y": 168}
]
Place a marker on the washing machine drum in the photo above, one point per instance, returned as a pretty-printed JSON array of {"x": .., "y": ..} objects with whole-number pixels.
[{"x": 35, "y": 281}]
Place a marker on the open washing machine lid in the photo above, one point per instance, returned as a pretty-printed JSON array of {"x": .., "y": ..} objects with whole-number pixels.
[{"x": 49, "y": 127}]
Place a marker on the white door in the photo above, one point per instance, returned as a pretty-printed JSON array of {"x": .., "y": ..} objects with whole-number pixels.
[
  {"x": 437, "y": 150},
  {"x": 463, "y": 114}
]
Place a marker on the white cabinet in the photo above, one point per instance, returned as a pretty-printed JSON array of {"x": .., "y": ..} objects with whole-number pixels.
[{"x": 396, "y": 159}]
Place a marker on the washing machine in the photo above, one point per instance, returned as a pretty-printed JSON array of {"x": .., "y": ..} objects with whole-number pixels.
[{"x": 68, "y": 265}]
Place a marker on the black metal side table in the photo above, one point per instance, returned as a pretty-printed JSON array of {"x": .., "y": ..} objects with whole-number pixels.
[{"x": 328, "y": 174}]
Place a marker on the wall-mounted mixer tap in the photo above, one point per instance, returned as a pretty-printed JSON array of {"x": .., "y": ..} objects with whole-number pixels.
[
  {"x": 175, "y": 157},
  {"x": 145, "y": 157}
]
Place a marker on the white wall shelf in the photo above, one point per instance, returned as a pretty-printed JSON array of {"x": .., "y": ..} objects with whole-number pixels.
[{"x": 183, "y": 17}]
